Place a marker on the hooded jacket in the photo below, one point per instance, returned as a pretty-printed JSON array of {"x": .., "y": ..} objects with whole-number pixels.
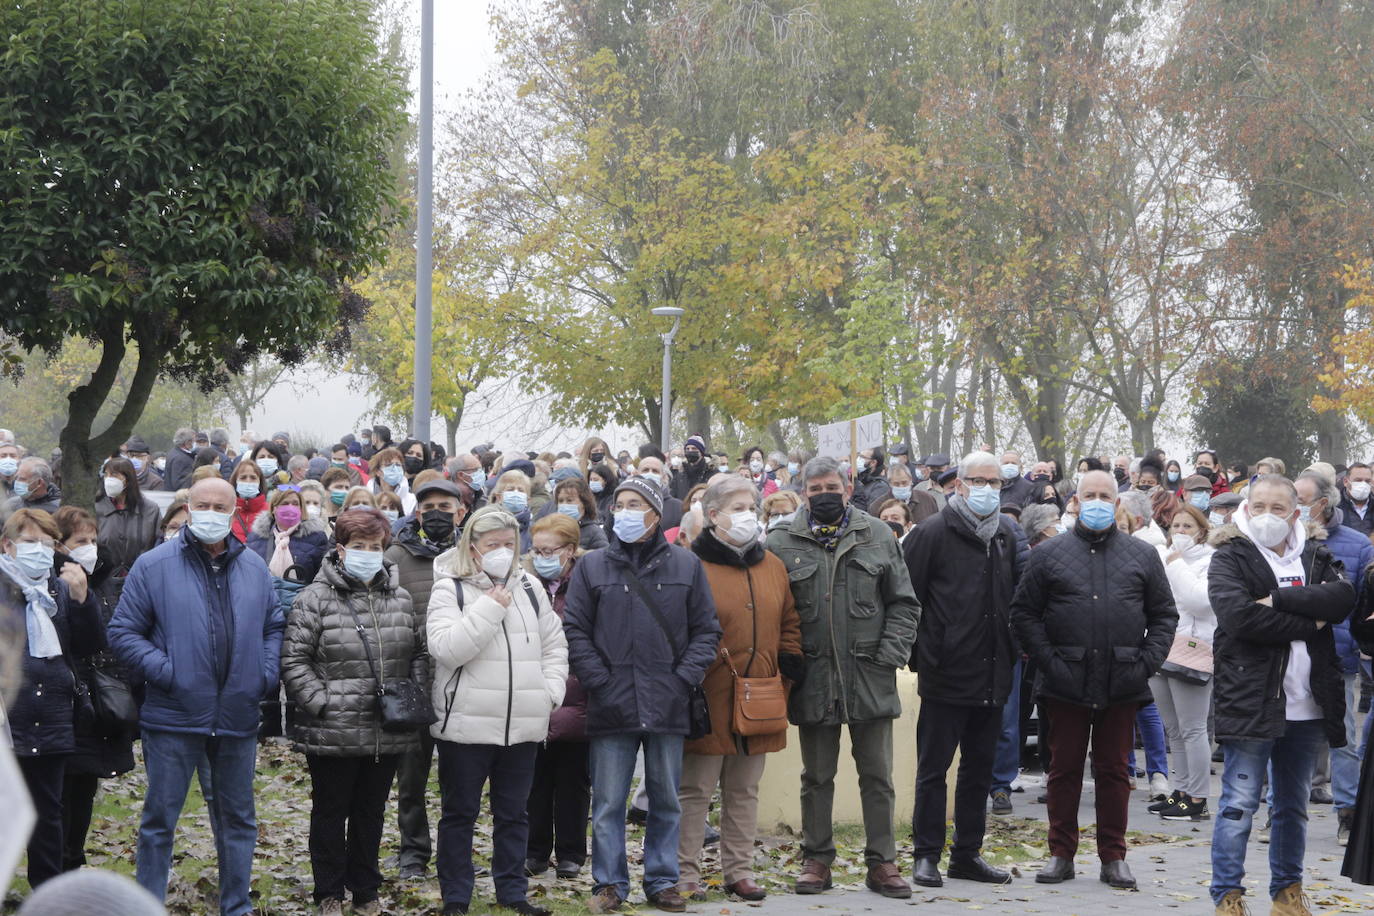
[
  {"x": 1253, "y": 641},
  {"x": 499, "y": 672},
  {"x": 162, "y": 630},
  {"x": 1094, "y": 611},
  {"x": 637, "y": 681},
  {"x": 308, "y": 542},
  {"x": 325, "y": 669}
]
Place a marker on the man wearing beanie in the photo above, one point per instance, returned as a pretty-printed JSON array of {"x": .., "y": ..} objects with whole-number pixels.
[
  {"x": 641, "y": 629},
  {"x": 696, "y": 468}
]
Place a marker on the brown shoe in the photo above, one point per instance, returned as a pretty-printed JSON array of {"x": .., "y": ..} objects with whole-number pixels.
[
  {"x": 669, "y": 901},
  {"x": 605, "y": 900},
  {"x": 886, "y": 878},
  {"x": 814, "y": 878},
  {"x": 746, "y": 889}
]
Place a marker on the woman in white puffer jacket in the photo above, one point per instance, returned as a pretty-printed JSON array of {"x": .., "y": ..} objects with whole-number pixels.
[
  {"x": 501, "y": 663},
  {"x": 1183, "y": 704}
]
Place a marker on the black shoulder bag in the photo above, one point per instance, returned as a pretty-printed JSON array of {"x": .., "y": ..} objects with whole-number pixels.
[
  {"x": 402, "y": 704},
  {"x": 698, "y": 710}
]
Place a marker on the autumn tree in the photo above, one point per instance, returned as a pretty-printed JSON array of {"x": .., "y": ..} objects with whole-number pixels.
[{"x": 196, "y": 182}]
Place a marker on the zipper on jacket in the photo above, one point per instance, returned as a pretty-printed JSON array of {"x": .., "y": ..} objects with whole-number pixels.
[
  {"x": 510, "y": 680},
  {"x": 381, "y": 676},
  {"x": 205, "y": 576}
]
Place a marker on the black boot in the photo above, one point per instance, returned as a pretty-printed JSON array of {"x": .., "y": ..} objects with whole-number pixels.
[
  {"x": 1056, "y": 870},
  {"x": 927, "y": 873},
  {"x": 1118, "y": 875},
  {"x": 976, "y": 868}
]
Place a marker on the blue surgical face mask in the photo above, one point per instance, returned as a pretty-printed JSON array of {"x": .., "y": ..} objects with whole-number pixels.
[
  {"x": 571, "y": 510},
  {"x": 137, "y": 463},
  {"x": 268, "y": 466},
  {"x": 653, "y": 477},
  {"x": 362, "y": 565},
  {"x": 1172, "y": 476},
  {"x": 1201, "y": 499},
  {"x": 1097, "y": 514},
  {"x": 902, "y": 493},
  {"x": 983, "y": 500},
  {"x": 393, "y": 474},
  {"x": 21, "y": 488},
  {"x": 210, "y": 527},
  {"x": 548, "y": 567},
  {"x": 9, "y": 467},
  {"x": 778, "y": 521},
  {"x": 629, "y": 525},
  {"x": 596, "y": 485},
  {"x": 1304, "y": 513},
  {"x": 247, "y": 489},
  {"x": 793, "y": 467},
  {"x": 1009, "y": 471},
  {"x": 515, "y": 500},
  {"x": 34, "y": 559},
  {"x": 479, "y": 478}
]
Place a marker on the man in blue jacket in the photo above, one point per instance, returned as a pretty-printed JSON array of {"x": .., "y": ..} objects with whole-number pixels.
[
  {"x": 199, "y": 621},
  {"x": 642, "y": 629},
  {"x": 1318, "y": 501}
]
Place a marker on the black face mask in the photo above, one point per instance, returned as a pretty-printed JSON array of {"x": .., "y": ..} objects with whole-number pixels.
[
  {"x": 1208, "y": 473},
  {"x": 693, "y": 457},
  {"x": 437, "y": 525},
  {"x": 597, "y": 457},
  {"x": 1120, "y": 475},
  {"x": 1040, "y": 478},
  {"x": 414, "y": 465},
  {"x": 827, "y": 508}
]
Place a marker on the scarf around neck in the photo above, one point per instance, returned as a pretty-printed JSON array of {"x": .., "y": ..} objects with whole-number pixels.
[
  {"x": 984, "y": 528},
  {"x": 39, "y": 609}
]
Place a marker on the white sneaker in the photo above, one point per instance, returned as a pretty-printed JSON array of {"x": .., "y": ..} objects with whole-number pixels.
[{"x": 1159, "y": 786}]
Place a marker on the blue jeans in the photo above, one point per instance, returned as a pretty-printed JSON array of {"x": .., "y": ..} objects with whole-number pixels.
[
  {"x": 1345, "y": 761},
  {"x": 1151, "y": 729},
  {"x": 613, "y": 765},
  {"x": 171, "y": 759},
  {"x": 1290, "y": 760},
  {"x": 1006, "y": 763}
]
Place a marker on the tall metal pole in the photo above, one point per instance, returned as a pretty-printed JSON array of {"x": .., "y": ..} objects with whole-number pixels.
[
  {"x": 667, "y": 417},
  {"x": 424, "y": 236}
]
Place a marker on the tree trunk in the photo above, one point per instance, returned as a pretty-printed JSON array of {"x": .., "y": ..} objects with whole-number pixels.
[
  {"x": 652, "y": 424},
  {"x": 82, "y": 452},
  {"x": 779, "y": 437},
  {"x": 1142, "y": 431},
  {"x": 699, "y": 420},
  {"x": 1332, "y": 436},
  {"x": 451, "y": 424}
]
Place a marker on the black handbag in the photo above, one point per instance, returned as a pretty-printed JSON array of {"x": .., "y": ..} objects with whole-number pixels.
[
  {"x": 403, "y": 706},
  {"x": 698, "y": 710},
  {"x": 116, "y": 710}
]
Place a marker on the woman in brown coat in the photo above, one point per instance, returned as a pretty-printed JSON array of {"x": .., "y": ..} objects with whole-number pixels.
[{"x": 761, "y": 639}]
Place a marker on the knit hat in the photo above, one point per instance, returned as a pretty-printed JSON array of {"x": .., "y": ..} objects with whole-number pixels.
[
  {"x": 315, "y": 470},
  {"x": 285, "y": 437},
  {"x": 697, "y": 443},
  {"x": 649, "y": 491},
  {"x": 523, "y": 465},
  {"x": 561, "y": 474},
  {"x": 136, "y": 446}
]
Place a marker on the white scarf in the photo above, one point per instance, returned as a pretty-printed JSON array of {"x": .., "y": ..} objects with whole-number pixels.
[{"x": 43, "y": 641}]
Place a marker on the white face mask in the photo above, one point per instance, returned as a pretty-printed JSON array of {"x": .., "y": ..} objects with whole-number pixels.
[
  {"x": 1359, "y": 491},
  {"x": 1181, "y": 542},
  {"x": 85, "y": 555},
  {"x": 756, "y": 466},
  {"x": 744, "y": 528},
  {"x": 1216, "y": 519},
  {"x": 312, "y": 510},
  {"x": 1269, "y": 530},
  {"x": 496, "y": 563},
  {"x": 114, "y": 487}
]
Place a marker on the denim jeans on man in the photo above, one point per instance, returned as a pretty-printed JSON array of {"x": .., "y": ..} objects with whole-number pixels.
[
  {"x": 613, "y": 765},
  {"x": 171, "y": 759},
  {"x": 1290, "y": 760},
  {"x": 1006, "y": 764},
  {"x": 1345, "y": 761}
]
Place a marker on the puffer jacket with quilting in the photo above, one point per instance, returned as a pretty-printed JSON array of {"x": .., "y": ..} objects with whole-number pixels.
[
  {"x": 324, "y": 665},
  {"x": 499, "y": 672},
  {"x": 308, "y": 545},
  {"x": 1094, "y": 611}
]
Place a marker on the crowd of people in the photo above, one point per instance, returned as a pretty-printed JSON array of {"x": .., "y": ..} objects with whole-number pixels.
[{"x": 551, "y": 624}]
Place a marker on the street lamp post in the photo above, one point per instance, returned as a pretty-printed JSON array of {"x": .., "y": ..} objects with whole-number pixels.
[
  {"x": 675, "y": 313},
  {"x": 424, "y": 229}
]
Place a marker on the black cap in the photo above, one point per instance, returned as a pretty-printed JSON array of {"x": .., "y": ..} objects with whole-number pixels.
[
  {"x": 938, "y": 460},
  {"x": 438, "y": 485},
  {"x": 900, "y": 448}
]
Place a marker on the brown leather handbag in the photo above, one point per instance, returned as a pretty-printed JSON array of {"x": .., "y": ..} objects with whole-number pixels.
[{"x": 760, "y": 706}]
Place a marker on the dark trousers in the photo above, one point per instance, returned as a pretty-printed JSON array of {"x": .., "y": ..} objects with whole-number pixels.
[
  {"x": 43, "y": 777},
  {"x": 941, "y": 729},
  {"x": 1110, "y": 731},
  {"x": 347, "y": 807},
  {"x": 412, "y": 818},
  {"x": 560, "y": 802},
  {"x": 463, "y": 770},
  {"x": 78, "y": 801}
]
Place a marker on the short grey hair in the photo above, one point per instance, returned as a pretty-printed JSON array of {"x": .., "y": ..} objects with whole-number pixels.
[
  {"x": 722, "y": 488},
  {"x": 297, "y": 461},
  {"x": 183, "y": 436},
  {"x": 978, "y": 460},
  {"x": 1276, "y": 480},
  {"x": 1036, "y": 517},
  {"x": 823, "y": 467},
  {"x": 1325, "y": 490},
  {"x": 1137, "y": 503},
  {"x": 219, "y": 438},
  {"x": 693, "y": 521},
  {"x": 38, "y": 468}
]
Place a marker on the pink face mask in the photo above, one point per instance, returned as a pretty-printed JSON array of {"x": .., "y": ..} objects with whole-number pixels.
[{"x": 288, "y": 516}]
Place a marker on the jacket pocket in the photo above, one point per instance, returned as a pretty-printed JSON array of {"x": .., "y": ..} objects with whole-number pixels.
[
  {"x": 1129, "y": 678},
  {"x": 874, "y": 691},
  {"x": 1068, "y": 674},
  {"x": 861, "y": 586},
  {"x": 802, "y": 578}
]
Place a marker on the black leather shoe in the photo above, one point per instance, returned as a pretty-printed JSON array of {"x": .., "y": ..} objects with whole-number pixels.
[
  {"x": 1118, "y": 875},
  {"x": 1055, "y": 871},
  {"x": 977, "y": 869},
  {"x": 927, "y": 873}
]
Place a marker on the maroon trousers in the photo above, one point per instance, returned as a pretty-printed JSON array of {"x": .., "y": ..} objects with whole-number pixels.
[{"x": 1111, "y": 731}]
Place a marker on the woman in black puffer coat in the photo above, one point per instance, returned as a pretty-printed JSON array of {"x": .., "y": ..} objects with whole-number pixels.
[{"x": 325, "y": 668}]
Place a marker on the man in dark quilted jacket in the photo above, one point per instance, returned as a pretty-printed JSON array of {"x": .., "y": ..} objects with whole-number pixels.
[{"x": 1095, "y": 613}]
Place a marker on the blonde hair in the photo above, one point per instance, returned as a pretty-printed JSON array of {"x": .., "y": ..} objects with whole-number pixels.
[
  {"x": 358, "y": 495},
  {"x": 512, "y": 480},
  {"x": 484, "y": 521}
]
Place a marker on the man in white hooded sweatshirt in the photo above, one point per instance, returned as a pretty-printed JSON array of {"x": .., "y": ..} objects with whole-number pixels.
[{"x": 1279, "y": 691}]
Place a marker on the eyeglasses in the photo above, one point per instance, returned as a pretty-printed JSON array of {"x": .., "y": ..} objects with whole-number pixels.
[
  {"x": 994, "y": 482},
  {"x": 548, "y": 554}
]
